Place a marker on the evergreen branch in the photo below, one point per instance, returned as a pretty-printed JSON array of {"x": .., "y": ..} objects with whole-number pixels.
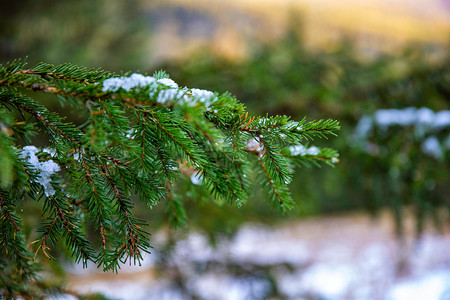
[
  {"x": 177, "y": 215},
  {"x": 184, "y": 144},
  {"x": 12, "y": 242},
  {"x": 141, "y": 134},
  {"x": 278, "y": 194},
  {"x": 275, "y": 161},
  {"x": 7, "y": 213},
  {"x": 100, "y": 210},
  {"x": 304, "y": 155},
  {"x": 227, "y": 157},
  {"x": 81, "y": 245},
  {"x": 132, "y": 239},
  {"x": 43, "y": 240},
  {"x": 319, "y": 128},
  {"x": 68, "y": 72},
  {"x": 47, "y": 119}
]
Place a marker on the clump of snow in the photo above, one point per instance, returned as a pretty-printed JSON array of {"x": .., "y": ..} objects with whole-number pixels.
[
  {"x": 127, "y": 83},
  {"x": 170, "y": 95},
  {"x": 202, "y": 96},
  {"x": 45, "y": 169},
  {"x": 168, "y": 82},
  {"x": 300, "y": 150},
  {"x": 169, "y": 90}
]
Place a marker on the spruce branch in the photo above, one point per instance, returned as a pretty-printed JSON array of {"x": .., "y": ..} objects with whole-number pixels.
[{"x": 142, "y": 138}]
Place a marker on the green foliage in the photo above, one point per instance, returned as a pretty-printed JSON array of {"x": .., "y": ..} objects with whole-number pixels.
[
  {"x": 407, "y": 153},
  {"x": 143, "y": 139},
  {"x": 108, "y": 33}
]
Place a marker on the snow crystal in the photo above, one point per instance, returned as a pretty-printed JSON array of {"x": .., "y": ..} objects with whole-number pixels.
[
  {"x": 46, "y": 169},
  {"x": 127, "y": 83},
  {"x": 300, "y": 150},
  {"x": 432, "y": 147}
]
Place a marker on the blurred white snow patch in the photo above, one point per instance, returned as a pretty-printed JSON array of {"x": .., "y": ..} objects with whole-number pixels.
[
  {"x": 424, "y": 258},
  {"x": 425, "y": 116},
  {"x": 442, "y": 119},
  {"x": 331, "y": 281},
  {"x": 363, "y": 127},
  {"x": 422, "y": 118},
  {"x": 121, "y": 289},
  {"x": 216, "y": 286},
  {"x": 431, "y": 286},
  {"x": 388, "y": 117},
  {"x": 195, "y": 247},
  {"x": 265, "y": 247},
  {"x": 432, "y": 147}
]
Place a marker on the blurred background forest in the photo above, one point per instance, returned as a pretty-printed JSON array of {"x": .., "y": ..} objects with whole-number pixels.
[{"x": 347, "y": 60}]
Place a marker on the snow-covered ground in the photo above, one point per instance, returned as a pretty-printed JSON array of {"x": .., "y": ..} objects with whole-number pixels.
[{"x": 342, "y": 257}]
